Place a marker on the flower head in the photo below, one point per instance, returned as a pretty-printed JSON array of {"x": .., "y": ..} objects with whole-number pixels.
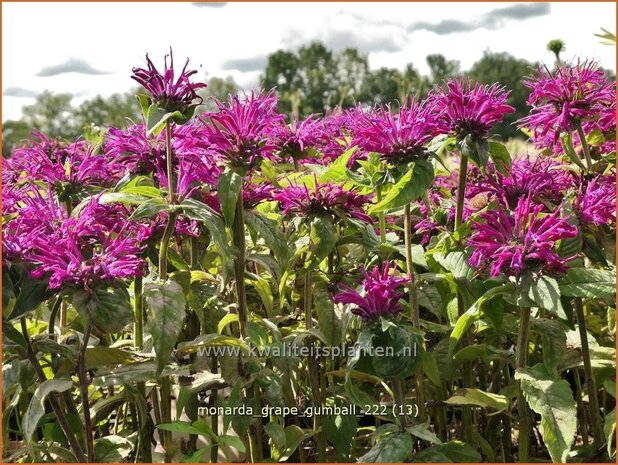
[
  {"x": 465, "y": 108},
  {"x": 380, "y": 293},
  {"x": 397, "y": 137},
  {"x": 595, "y": 204},
  {"x": 295, "y": 139},
  {"x": 564, "y": 98},
  {"x": 523, "y": 240},
  {"x": 240, "y": 131},
  {"x": 541, "y": 178},
  {"x": 323, "y": 199},
  {"x": 167, "y": 91}
]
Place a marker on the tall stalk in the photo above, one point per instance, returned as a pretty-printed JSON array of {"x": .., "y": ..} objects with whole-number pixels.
[
  {"x": 593, "y": 401},
  {"x": 381, "y": 217},
  {"x": 83, "y": 389},
  {"x": 595, "y": 419},
  {"x": 53, "y": 398},
  {"x": 399, "y": 399},
  {"x": 522, "y": 406},
  {"x": 461, "y": 308},
  {"x": 239, "y": 268},
  {"x": 314, "y": 381},
  {"x": 414, "y": 309},
  {"x": 165, "y": 382}
]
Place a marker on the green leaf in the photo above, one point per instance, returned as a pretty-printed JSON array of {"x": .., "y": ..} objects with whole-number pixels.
[
  {"x": 157, "y": 118},
  {"x": 393, "y": 448},
  {"x": 408, "y": 188},
  {"x": 32, "y": 293},
  {"x": 112, "y": 449},
  {"x": 457, "y": 263},
  {"x": 553, "y": 400},
  {"x": 323, "y": 239},
  {"x": 588, "y": 283},
  {"x": 276, "y": 433},
  {"x": 421, "y": 431},
  {"x": 211, "y": 340},
  {"x": 500, "y": 156},
  {"x": 36, "y": 409},
  {"x": 106, "y": 308},
  {"x": 546, "y": 294},
  {"x": 149, "y": 208},
  {"x": 469, "y": 396},
  {"x": 198, "y": 211},
  {"x": 609, "y": 428},
  {"x": 477, "y": 150},
  {"x": 402, "y": 352},
  {"x": 232, "y": 441},
  {"x": 180, "y": 427},
  {"x": 340, "y": 431},
  {"x": 567, "y": 144},
  {"x": 329, "y": 323},
  {"x": 554, "y": 341},
  {"x": 166, "y": 312},
  {"x": 272, "y": 235},
  {"x": 120, "y": 197},
  {"x": 229, "y": 190}
]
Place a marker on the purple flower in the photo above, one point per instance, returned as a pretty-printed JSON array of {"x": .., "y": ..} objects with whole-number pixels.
[
  {"x": 169, "y": 93},
  {"x": 595, "y": 204},
  {"x": 240, "y": 131},
  {"x": 466, "y": 108},
  {"x": 523, "y": 240},
  {"x": 294, "y": 140},
  {"x": 380, "y": 293},
  {"x": 562, "y": 99},
  {"x": 133, "y": 151},
  {"x": 253, "y": 194},
  {"x": 323, "y": 199},
  {"x": 100, "y": 244},
  {"x": 542, "y": 178},
  {"x": 397, "y": 137}
]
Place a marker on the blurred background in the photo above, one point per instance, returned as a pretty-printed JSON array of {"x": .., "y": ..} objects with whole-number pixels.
[{"x": 66, "y": 66}]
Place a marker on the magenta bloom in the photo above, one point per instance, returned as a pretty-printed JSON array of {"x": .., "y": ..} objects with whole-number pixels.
[
  {"x": 523, "y": 240},
  {"x": 564, "y": 98},
  {"x": 397, "y": 137},
  {"x": 133, "y": 152},
  {"x": 98, "y": 245},
  {"x": 167, "y": 91},
  {"x": 295, "y": 139},
  {"x": 240, "y": 131},
  {"x": 324, "y": 199},
  {"x": 595, "y": 204},
  {"x": 380, "y": 297},
  {"x": 253, "y": 194},
  {"x": 542, "y": 178},
  {"x": 466, "y": 108}
]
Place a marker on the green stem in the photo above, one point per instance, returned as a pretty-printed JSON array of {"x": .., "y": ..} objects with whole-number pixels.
[
  {"x": 312, "y": 365},
  {"x": 461, "y": 307},
  {"x": 414, "y": 309},
  {"x": 83, "y": 388},
  {"x": 53, "y": 314},
  {"x": 522, "y": 406},
  {"x": 239, "y": 269},
  {"x": 585, "y": 147},
  {"x": 138, "y": 333},
  {"x": 581, "y": 412},
  {"x": 166, "y": 414},
  {"x": 53, "y": 398},
  {"x": 169, "y": 159},
  {"x": 506, "y": 422},
  {"x": 165, "y": 244},
  {"x": 214, "y": 420},
  {"x": 593, "y": 401},
  {"x": 399, "y": 399},
  {"x": 381, "y": 216}
]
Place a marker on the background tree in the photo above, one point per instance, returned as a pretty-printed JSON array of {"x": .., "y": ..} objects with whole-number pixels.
[
  {"x": 219, "y": 88},
  {"x": 441, "y": 68}
]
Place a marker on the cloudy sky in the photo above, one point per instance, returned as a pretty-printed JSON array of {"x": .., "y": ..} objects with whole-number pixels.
[{"x": 90, "y": 48}]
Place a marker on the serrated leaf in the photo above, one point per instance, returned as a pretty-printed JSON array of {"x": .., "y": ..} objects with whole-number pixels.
[
  {"x": 469, "y": 396},
  {"x": 393, "y": 448},
  {"x": 36, "y": 408},
  {"x": 267, "y": 229},
  {"x": 545, "y": 293},
  {"x": 552, "y": 399},
  {"x": 323, "y": 239},
  {"x": 588, "y": 283},
  {"x": 112, "y": 449},
  {"x": 106, "y": 308},
  {"x": 554, "y": 341},
  {"x": 149, "y": 208},
  {"x": 340, "y": 431},
  {"x": 165, "y": 305},
  {"x": 408, "y": 188},
  {"x": 229, "y": 190},
  {"x": 500, "y": 156}
]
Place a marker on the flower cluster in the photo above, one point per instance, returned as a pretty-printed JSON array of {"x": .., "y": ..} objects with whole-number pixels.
[
  {"x": 322, "y": 199},
  {"x": 380, "y": 295},
  {"x": 466, "y": 108},
  {"x": 167, "y": 91},
  {"x": 524, "y": 240}
]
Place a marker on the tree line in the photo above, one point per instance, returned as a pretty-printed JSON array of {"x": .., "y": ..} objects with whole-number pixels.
[{"x": 312, "y": 79}]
